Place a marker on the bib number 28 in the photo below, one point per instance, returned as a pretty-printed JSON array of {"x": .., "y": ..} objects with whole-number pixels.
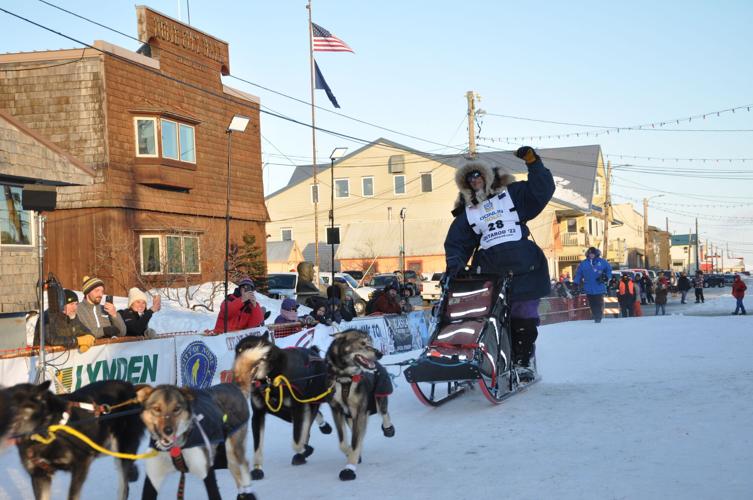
[{"x": 496, "y": 225}]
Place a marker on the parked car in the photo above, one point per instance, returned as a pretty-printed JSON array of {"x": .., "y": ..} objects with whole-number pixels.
[
  {"x": 431, "y": 287},
  {"x": 380, "y": 281},
  {"x": 411, "y": 282},
  {"x": 357, "y": 275},
  {"x": 729, "y": 278},
  {"x": 282, "y": 285},
  {"x": 713, "y": 280},
  {"x": 360, "y": 294}
]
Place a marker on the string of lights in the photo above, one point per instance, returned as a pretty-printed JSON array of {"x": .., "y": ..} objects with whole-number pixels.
[
  {"x": 606, "y": 130},
  {"x": 676, "y": 160}
]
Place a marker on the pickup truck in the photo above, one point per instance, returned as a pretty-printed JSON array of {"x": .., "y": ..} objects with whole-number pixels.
[
  {"x": 432, "y": 289},
  {"x": 360, "y": 294}
]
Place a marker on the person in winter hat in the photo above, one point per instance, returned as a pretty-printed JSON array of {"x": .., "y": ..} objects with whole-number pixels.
[
  {"x": 738, "y": 292},
  {"x": 288, "y": 312},
  {"x": 594, "y": 272},
  {"x": 388, "y": 301},
  {"x": 626, "y": 296},
  {"x": 136, "y": 316},
  {"x": 100, "y": 318},
  {"x": 69, "y": 331},
  {"x": 698, "y": 285},
  {"x": 662, "y": 290},
  {"x": 243, "y": 311},
  {"x": 683, "y": 285},
  {"x": 490, "y": 213}
]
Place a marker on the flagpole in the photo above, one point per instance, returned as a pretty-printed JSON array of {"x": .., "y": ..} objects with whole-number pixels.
[{"x": 313, "y": 141}]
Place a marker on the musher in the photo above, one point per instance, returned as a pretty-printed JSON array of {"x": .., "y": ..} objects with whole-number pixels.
[{"x": 490, "y": 216}]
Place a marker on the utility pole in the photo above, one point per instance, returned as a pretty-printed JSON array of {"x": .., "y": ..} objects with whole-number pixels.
[
  {"x": 697, "y": 256},
  {"x": 607, "y": 205},
  {"x": 471, "y": 98},
  {"x": 645, "y": 233},
  {"x": 669, "y": 243},
  {"x": 690, "y": 240}
]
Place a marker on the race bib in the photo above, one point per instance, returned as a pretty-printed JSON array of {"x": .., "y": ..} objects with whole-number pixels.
[{"x": 496, "y": 220}]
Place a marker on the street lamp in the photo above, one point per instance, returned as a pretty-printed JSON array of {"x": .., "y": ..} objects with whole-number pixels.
[
  {"x": 237, "y": 124},
  {"x": 333, "y": 238},
  {"x": 403, "y": 211},
  {"x": 645, "y": 229}
]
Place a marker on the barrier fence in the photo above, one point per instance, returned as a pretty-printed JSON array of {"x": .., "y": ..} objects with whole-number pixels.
[{"x": 202, "y": 359}]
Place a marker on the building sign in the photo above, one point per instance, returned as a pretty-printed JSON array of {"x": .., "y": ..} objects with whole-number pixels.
[{"x": 152, "y": 25}]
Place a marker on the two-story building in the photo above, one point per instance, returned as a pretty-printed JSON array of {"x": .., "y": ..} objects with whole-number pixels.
[
  {"x": 388, "y": 196},
  {"x": 152, "y": 127},
  {"x": 626, "y": 237}
]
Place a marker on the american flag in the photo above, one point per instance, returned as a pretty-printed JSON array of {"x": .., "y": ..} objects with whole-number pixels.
[{"x": 324, "y": 41}]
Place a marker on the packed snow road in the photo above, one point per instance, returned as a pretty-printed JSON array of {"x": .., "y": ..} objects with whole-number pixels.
[{"x": 643, "y": 408}]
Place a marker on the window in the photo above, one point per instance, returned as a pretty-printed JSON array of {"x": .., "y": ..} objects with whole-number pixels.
[
  {"x": 177, "y": 140},
  {"x": 597, "y": 187},
  {"x": 146, "y": 137},
  {"x": 286, "y": 234},
  {"x": 181, "y": 254},
  {"x": 342, "y": 188},
  {"x": 150, "y": 255},
  {"x": 399, "y": 184},
  {"x": 367, "y": 186},
  {"x": 169, "y": 139},
  {"x": 314, "y": 193},
  {"x": 396, "y": 164},
  {"x": 15, "y": 222},
  {"x": 590, "y": 227},
  {"x": 426, "y": 185},
  {"x": 572, "y": 226},
  {"x": 187, "y": 145}
]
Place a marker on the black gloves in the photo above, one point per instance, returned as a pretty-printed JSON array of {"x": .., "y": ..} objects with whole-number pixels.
[{"x": 527, "y": 154}]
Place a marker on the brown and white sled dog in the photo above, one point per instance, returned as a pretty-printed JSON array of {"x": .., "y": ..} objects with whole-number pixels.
[
  {"x": 196, "y": 431},
  {"x": 361, "y": 386},
  {"x": 258, "y": 362}
]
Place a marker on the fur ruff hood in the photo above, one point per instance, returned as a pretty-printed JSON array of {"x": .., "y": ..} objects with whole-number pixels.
[{"x": 495, "y": 181}]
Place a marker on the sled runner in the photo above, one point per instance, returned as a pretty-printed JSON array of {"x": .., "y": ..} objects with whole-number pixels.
[{"x": 470, "y": 344}]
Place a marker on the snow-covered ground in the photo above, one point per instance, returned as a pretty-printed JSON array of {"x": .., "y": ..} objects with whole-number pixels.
[{"x": 637, "y": 408}]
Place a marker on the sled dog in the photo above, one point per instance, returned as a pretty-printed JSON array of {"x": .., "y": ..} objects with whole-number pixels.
[
  {"x": 35, "y": 408},
  {"x": 196, "y": 431},
  {"x": 258, "y": 362},
  {"x": 361, "y": 386}
]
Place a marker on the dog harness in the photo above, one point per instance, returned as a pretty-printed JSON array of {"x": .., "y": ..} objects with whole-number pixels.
[{"x": 495, "y": 219}]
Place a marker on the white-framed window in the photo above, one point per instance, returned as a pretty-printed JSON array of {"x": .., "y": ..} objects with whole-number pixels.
[
  {"x": 314, "y": 193},
  {"x": 182, "y": 254},
  {"x": 151, "y": 253},
  {"x": 286, "y": 234},
  {"x": 177, "y": 141},
  {"x": 169, "y": 254},
  {"x": 426, "y": 183},
  {"x": 367, "y": 186},
  {"x": 342, "y": 188},
  {"x": 399, "y": 183},
  {"x": 16, "y": 224},
  {"x": 146, "y": 136}
]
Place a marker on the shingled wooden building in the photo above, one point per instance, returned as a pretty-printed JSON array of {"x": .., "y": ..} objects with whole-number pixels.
[{"x": 152, "y": 125}]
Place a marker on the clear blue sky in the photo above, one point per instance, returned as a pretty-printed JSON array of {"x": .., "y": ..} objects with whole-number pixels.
[{"x": 610, "y": 63}]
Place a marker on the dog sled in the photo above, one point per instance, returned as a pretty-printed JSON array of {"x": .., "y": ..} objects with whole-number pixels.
[{"x": 469, "y": 345}]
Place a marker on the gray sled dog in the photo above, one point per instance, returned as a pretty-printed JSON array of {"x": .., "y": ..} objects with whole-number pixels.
[
  {"x": 258, "y": 362},
  {"x": 196, "y": 431},
  {"x": 360, "y": 388}
]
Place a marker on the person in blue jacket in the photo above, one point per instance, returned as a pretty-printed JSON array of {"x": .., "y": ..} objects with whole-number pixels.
[
  {"x": 594, "y": 272},
  {"x": 490, "y": 218}
]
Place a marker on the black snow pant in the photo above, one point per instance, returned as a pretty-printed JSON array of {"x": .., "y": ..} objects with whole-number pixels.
[
  {"x": 524, "y": 334},
  {"x": 699, "y": 295},
  {"x": 596, "y": 303},
  {"x": 626, "y": 310}
]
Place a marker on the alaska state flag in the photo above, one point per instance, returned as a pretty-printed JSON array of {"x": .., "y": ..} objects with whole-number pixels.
[{"x": 321, "y": 83}]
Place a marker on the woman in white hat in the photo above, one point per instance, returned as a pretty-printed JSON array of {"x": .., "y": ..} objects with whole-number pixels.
[{"x": 137, "y": 316}]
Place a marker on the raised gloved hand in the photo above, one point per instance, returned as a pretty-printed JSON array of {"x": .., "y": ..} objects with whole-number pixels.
[
  {"x": 85, "y": 342},
  {"x": 527, "y": 154}
]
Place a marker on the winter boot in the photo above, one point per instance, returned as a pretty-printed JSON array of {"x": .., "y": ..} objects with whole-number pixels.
[{"x": 524, "y": 334}]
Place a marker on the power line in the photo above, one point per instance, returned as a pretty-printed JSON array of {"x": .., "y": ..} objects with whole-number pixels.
[
  {"x": 282, "y": 94},
  {"x": 665, "y": 159}
]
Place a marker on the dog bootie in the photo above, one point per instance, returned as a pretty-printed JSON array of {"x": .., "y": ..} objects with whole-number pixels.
[
  {"x": 246, "y": 496},
  {"x": 325, "y": 428},
  {"x": 257, "y": 474},
  {"x": 300, "y": 458},
  {"x": 347, "y": 474},
  {"x": 388, "y": 431}
]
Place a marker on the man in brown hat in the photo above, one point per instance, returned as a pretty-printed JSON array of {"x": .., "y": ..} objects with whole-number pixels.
[
  {"x": 66, "y": 330},
  {"x": 102, "y": 319}
]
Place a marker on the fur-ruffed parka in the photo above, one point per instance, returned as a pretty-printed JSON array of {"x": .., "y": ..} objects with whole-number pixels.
[{"x": 495, "y": 181}]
